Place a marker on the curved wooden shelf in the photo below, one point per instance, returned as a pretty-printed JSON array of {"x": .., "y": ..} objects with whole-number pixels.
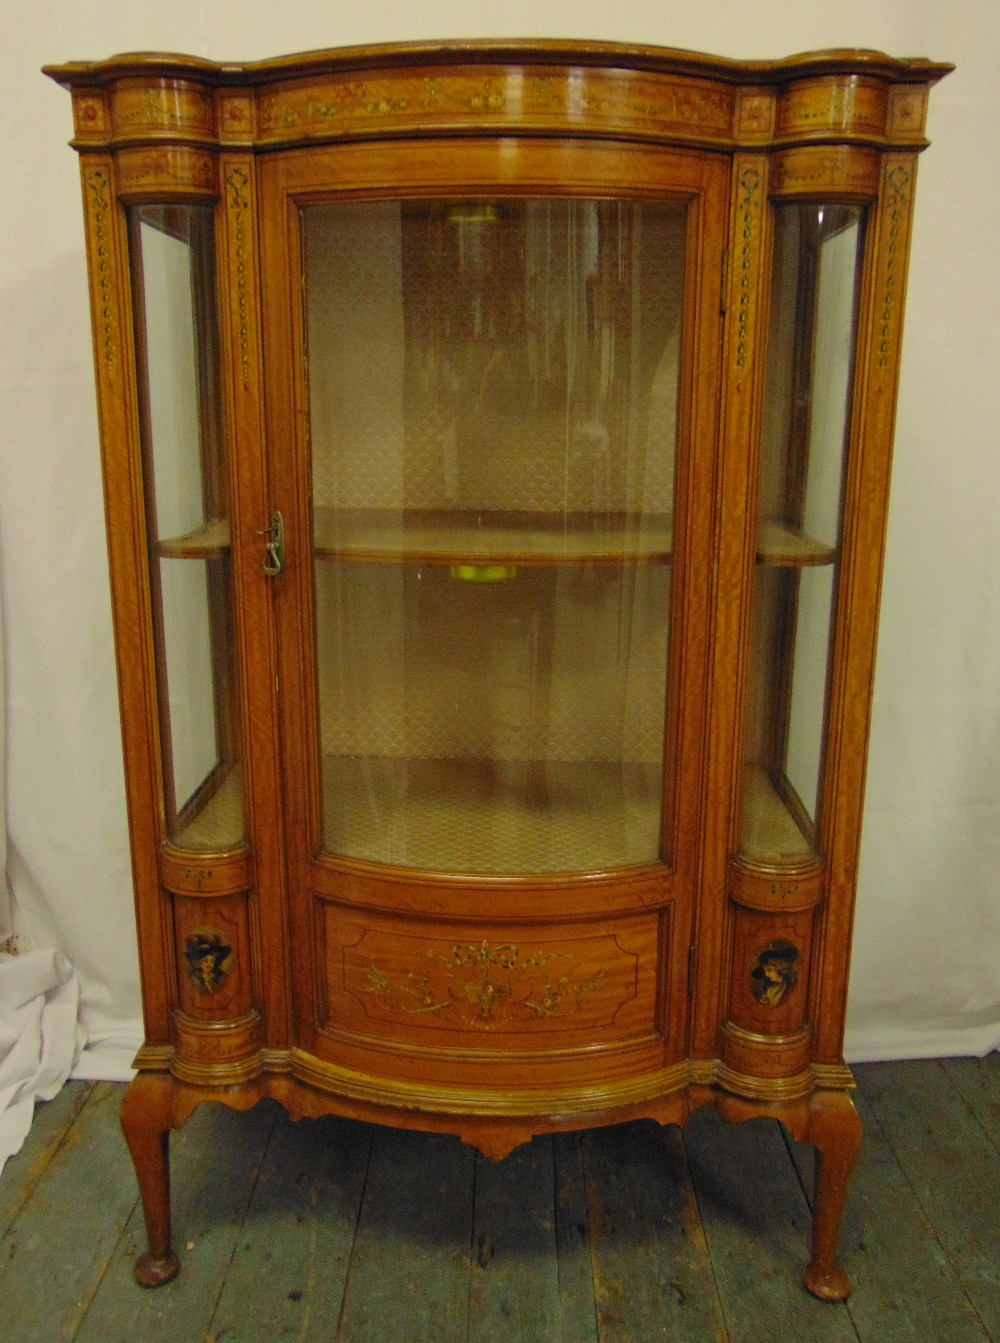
[
  {"x": 466, "y": 537},
  {"x": 208, "y": 542},
  {"x": 770, "y": 833},
  {"x": 782, "y": 546},
  {"x": 216, "y": 824},
  {"x": 508, "y": 817}
]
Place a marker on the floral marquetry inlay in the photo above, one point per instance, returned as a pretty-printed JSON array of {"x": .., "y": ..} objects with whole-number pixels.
[
  {"x": 236, "y": 115},
  {"x": 420, "y": 982},
  {"x": 238, "y": 183},
  {"x": 896, "y": 204},
  {"x": 163, "y": 108},
  {"x": 420, "y": 100},
  {"x": 755, "y": 115},
  {"x": 98, "y": 189},
  {"x": 807, "y": 171},
  {"x": 749, "y": 212},
  {"x": 167, "y": 168},
  {"x": 850, "y": 107},
  {"x": 907, "y": 113},
  {"x": 486, "y": 985}
]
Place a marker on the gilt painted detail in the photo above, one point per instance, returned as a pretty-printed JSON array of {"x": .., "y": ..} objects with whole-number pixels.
[
  {"x": 486, "y": 985},
  {"x": 773, "y": 975},
  {"x": 238, "y": 182},
  {"x": 750, "y": 207},
  {"x": 100, "y": 204},
  {"x": 896, "y": 202}
]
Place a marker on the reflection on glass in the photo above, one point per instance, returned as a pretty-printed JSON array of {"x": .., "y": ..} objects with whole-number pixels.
[
  {"x": 493, "y": 410},
  {"x": 186, "y": 511},
  {"x": 816, "y": 266}
]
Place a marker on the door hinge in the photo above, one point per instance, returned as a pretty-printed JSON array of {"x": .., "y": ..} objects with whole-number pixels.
[
  {"x": 692, "y": 968},
  {"x": 724, "y": 278}
]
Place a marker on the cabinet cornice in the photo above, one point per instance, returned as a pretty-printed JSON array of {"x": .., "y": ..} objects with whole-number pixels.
[{"x": 532, "y": 88}]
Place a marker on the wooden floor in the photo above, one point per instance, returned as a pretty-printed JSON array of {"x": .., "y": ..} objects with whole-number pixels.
[{"x": 336, "y": 1231}]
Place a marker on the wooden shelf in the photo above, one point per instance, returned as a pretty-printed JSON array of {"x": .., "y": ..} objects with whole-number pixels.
[
  {"x": 218, "y": 825},
  {"x": 425, "y": 536},
  {"x": 781, "y": 545},
  {"x": 465, "y": 537},
  {"x": 492, "y": 816},
  {"x": 770, "y": 833},
  {"x": 208, "y": 542}
]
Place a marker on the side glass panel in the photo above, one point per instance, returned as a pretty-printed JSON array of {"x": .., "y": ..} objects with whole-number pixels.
[
  {"x": 186, "y": 510},
  {"x": 493, "y": 416},
  {"x": 811, "y": 341}
]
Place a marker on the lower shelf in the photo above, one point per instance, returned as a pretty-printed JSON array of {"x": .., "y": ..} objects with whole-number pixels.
[
  {"x": 492, "y": 816},
  {"x": 218, "y": 825},
  {"x": 770, "y": 833}
]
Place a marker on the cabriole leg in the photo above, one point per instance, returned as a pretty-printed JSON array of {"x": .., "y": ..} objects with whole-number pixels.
[
  {"x": 146, "y": 1123},
  {"x": 835, "y": 1132}
]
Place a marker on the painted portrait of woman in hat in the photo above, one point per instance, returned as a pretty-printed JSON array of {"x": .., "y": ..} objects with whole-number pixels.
[
  {"x": 774, "y": 976},
  {"x": 208, "y": 959}
]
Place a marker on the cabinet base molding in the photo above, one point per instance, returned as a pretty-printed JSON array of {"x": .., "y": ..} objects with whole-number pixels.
[
  {"x": 219, "y": 1053},
  {"x": 756, "y": 1064},
  {"x": 157, "y": 1102}
]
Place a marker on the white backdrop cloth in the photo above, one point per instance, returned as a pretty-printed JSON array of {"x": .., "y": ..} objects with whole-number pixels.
[{"x": 40, "y": 1037}]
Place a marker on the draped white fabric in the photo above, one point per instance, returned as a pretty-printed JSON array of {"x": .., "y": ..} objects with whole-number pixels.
[
  {"x": 40, "y": 1037},
  {"x": 6, "y": 921},
  {"x": 926, "y": 974}
]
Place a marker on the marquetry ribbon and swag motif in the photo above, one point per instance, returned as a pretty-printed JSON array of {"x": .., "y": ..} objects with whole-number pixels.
[
  {"x": 485, "y": 984},
  {"x": 460, "y": 94}
]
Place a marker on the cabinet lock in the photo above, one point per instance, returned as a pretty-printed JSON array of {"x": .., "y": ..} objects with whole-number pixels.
[{"x": 274, "y": 547}]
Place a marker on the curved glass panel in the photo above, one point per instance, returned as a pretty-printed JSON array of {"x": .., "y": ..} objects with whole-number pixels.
[
  {"x": 493, "y": 500},
  {"x": 186, "y": 509},
  {"x": 807, "y": 406}
]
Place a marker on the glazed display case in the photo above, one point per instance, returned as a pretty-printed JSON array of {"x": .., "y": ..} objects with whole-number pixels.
[{"x": 496, "y": 444}]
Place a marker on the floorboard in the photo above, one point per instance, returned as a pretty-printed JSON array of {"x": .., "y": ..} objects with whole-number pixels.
[
  {"x": 214, "y": 1163},
  {"x": 904, "y": 1287},
  {"x": 410, "y": 1268},
  {"x": 288, "y": 1277},
  {"x": 52, "y": 1123},
  {"x": 56, "y": 1252},
  {"x": 757, "y": 1223},
  {"x": 342, "y": 1232},
  {"x": 514, "y": 1268},
  {"x": 952, "y": 1167},
  {"x": 652, "y": 1274}
]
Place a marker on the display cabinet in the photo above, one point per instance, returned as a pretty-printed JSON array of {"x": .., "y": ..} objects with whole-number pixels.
[{"x": 496, "y": 440}]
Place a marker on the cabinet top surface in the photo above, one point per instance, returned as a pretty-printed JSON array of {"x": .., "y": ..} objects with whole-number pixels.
[{"x": 615, "y": 55}]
